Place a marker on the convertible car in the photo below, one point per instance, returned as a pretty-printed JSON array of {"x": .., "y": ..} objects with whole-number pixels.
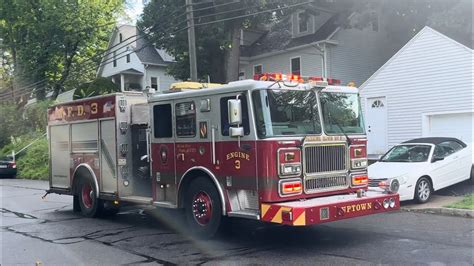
[{"x": 423, "y": 166}]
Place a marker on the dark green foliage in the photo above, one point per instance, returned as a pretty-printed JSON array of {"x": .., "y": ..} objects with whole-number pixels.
[
  {"x": 99, "y": 86},
  {"x": 20, "y": 127},
  {"x": 33, "y": 164}
]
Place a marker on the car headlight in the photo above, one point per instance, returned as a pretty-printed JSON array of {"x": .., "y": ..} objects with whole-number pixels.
[{"x": 390, "y": 185}]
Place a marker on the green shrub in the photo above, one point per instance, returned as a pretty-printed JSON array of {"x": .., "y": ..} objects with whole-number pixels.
[{"x": 34, "y": 163}]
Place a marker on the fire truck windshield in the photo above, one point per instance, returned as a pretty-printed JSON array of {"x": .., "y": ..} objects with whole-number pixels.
[
  {"x": 341, "y": 113},
  {"x": 285, "y": 112}
]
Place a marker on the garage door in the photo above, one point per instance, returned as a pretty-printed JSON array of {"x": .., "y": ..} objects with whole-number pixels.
[{"x": 458, "y": 125}]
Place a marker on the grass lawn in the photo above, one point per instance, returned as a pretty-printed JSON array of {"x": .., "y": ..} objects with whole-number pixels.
[{"x": 466, "y": 203}]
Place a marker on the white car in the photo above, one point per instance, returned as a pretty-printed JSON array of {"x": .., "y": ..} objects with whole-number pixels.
[{"x": 423, "y": 166}]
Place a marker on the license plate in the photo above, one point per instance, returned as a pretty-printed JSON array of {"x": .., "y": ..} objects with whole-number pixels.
[{"x": 3, "y": 166}]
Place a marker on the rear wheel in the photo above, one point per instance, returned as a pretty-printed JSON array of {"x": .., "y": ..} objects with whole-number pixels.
[
  {"x": 203, "y": 208},
  {"x": 91, "y": 206},
  {"x": 423, "y": 190}
]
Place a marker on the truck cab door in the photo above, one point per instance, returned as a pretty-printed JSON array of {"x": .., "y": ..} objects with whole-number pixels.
[
  {"x": 236, "y": 157},
  {"x": 163, "y": 164}
]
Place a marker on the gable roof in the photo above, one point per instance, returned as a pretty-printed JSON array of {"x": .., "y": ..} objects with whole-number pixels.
[
  {"x": 144, "y": 49},
  {"x": 147, "y": 53},
  {"x": 423, "y": 31},
  {"x": 280, "y": 37}
]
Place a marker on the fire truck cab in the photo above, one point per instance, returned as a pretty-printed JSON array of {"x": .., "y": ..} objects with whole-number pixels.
[{"x": 276, "y": 149}]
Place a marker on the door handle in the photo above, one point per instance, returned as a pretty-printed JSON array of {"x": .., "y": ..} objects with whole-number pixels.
[{"x": 180, "y": 157}]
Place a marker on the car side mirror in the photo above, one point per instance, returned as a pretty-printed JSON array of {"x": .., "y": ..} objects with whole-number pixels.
[{"x": 437, "y": 158}]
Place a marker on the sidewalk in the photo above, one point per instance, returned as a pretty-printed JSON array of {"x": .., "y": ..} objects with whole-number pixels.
[{"x": 436, "y": 206}]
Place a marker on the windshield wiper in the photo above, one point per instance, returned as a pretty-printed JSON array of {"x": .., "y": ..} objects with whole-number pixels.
[{"x": 343, "y": 132}]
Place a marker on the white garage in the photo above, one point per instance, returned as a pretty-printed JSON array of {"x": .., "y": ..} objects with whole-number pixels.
[
  {"x": 425, "y": 89},
  {"x": 457, "y": 125}
]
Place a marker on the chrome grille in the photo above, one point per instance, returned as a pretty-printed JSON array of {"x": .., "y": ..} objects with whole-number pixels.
[
  {"x": 326, "y": 183},
  {"x": 325, "y": 158},
  {"x": 375, "y": 182}
]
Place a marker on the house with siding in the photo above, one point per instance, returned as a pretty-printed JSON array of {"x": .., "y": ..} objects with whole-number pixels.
[
  {"x": 133, "y": 63},
  {"x": 314, "y": 42},
  {"x": 425, "y": 89}
]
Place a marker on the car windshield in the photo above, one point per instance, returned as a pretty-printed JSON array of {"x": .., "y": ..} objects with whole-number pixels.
[
  {"x": 6, "y": 158},
  {"x": 285, "y": 112},
  {"x": 407, "y": 153},
  {"x": 341, "y": 113}
]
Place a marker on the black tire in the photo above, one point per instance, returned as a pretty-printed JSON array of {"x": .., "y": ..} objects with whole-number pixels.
[
  {"x": 423, "y": 190},
  {"x": 90, "y": 206},
  {"x": 207, "y": 226},
  {"x": 76, "y": 207}
]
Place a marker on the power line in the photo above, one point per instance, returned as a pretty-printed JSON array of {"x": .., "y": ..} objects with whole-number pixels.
[
  {"x": 252, "y": 14},
  {"x": 209, "y": 7}
]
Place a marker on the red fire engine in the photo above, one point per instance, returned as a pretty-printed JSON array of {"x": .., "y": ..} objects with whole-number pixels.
[{"x": 279, "y": 149}]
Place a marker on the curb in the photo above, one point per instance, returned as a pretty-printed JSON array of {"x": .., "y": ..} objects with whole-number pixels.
[{"x": 443, "y": 211}]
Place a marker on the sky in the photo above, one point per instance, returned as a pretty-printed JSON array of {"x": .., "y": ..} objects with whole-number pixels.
[{"x": 133, "y": 9}]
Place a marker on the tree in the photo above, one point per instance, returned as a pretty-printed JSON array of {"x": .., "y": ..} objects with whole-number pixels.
[
  {"x": 53, "y": 41},
  {"x": 218, "y": 44},
  {"x": 99, "y": 86}
]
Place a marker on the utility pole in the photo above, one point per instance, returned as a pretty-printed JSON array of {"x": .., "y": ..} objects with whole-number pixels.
[{"x": 191, "y": 41}]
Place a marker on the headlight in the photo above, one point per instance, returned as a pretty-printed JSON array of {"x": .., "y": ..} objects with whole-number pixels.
[
  {"x": 386, "y": 203},
  {"x": 390, "y": 185},
  {"x": 290, "y": 169},
  {"x": 391, "y": 202},
  {"x": 359, "y": 163}
]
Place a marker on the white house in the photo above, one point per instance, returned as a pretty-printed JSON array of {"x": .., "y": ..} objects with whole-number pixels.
[
  {"x": 300, "y": 43},
  {"x": 134, "y": 63},
  {"x": 425, "y": 89}
]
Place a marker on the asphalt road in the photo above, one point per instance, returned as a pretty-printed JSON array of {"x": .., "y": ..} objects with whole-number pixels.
[{"x": 47, "y": 231}]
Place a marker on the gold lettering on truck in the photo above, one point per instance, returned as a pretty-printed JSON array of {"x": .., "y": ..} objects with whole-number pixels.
[{"x": 357, "y": 207}]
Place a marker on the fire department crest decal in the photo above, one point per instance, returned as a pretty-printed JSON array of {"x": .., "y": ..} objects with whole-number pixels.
[{"x": 203, "y": 130}]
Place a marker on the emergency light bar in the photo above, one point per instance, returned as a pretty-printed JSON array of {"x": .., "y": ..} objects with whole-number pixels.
[{"x": 295, "y": 78}]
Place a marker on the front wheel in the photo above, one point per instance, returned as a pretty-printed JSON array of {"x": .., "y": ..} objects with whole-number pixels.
[
  {"x": 423, "y": 190},
  {"x": 90, "y": 204},
  {"x": 203, "y": 208}
]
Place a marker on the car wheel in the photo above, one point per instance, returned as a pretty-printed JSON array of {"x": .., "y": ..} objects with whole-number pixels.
[
  {"x": 202, "y": 207},
  {"x": 91, "y": 206},
  {"x": 423, "y": 190}
]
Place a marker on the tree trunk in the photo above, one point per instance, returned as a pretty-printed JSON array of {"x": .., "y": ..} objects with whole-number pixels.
[
  {"x": 58, "y": 87},
  {"x": 233, "y": 55}
]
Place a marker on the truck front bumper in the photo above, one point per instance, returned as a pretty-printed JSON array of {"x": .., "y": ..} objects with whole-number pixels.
[{"x": 328, "y": 209}]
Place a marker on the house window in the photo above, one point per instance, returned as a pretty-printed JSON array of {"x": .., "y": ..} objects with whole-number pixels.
[
  {"x": 185, "y": 119},
  {"x": 303, "y": 22},
  {"x": 128, "y": 58},
  {"x": 154, "y": 83},
  {"x": 257, "y": 69},
  {"x": 377, "y": 104},
  {"x": 162, "y": 121},
  {"x": 296, "y": 65},
  {"x": 115, "y": 60},
  {"x": 120, "y": 37}
]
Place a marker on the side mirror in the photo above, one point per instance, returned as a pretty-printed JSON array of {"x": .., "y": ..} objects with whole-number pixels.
[
  {"x": 437, "y": 158},
  {"x": 234, "y": 107}
]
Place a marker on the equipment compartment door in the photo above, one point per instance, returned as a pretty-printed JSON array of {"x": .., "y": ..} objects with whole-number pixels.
[
  {"x": 108, "y": 156},
  {"x": 60, "y": 157}
]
